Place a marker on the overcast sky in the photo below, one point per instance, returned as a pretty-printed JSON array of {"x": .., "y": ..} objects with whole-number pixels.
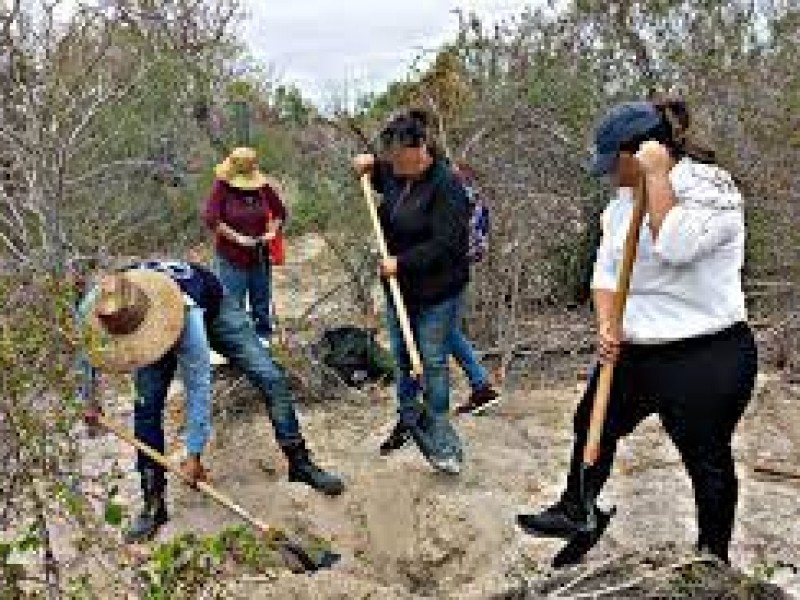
[{"x": 320, "y": 44}]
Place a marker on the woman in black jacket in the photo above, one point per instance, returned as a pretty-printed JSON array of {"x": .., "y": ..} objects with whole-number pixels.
[{"x": 424, "y": 215}]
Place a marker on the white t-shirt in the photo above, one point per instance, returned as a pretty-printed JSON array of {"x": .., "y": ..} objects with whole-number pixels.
[{"x": 688, "y": 282}]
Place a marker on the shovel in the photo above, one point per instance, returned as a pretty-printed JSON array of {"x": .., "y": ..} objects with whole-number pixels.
[
  {"x": 297, "y": 558},
  {"x": 394, "y": 287},
  {"x": 596, "y": 520}
]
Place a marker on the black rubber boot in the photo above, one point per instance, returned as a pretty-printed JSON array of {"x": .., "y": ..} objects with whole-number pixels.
[
  {"x": 154, "y": 510},
  {"x": 303, "y": 470}
]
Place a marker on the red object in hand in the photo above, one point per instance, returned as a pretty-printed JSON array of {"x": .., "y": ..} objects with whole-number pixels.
[
  {"x": 91, "y": 416},
  {"x": 277, "y": 249},
  {"x": 277, "y": 246}
]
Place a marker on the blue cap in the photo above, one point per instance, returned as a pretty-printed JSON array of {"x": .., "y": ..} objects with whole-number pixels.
[{"x": 623, "y": 123}]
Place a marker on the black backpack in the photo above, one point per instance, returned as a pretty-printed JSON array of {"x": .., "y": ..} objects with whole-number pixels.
[{"x": 355, "y": 355}]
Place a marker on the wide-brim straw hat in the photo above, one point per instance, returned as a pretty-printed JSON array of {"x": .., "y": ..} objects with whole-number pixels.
[
  {"x": 240, "y": 170},
  {"x": 160, "y": 314}
]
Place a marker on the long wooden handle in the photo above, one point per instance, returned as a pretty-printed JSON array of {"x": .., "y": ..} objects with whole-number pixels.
[
  {"x": 394, "y": 287},
  {"x": 591, "y": 451},
  {"x": 208, "y": 490}
]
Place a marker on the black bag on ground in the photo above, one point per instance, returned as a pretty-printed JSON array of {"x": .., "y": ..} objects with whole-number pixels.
[{"x": 355, "y": 355}]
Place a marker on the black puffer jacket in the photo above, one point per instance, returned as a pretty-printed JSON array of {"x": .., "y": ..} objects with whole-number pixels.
[{"x": 426, "y": 226}]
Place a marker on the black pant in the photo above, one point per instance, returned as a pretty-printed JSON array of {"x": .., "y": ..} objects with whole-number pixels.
[{"x": 699, "y": 387}]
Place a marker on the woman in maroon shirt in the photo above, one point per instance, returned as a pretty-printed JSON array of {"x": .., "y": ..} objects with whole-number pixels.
[{"x": 245, "y": 214}]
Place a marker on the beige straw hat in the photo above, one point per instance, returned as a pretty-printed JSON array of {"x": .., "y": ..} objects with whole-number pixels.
[
  {"x": 133, "y": 319},
  {"x": 240, "y": 170}
]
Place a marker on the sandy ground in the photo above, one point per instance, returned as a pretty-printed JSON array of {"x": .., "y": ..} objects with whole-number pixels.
[{"x": 407, "y": 532}]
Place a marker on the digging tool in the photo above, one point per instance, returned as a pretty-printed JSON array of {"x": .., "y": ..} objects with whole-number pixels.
[
  {"x": 298, "y": 559},
  {"x": 597, "y": 521},
  {"x": 394, "y": 287}
]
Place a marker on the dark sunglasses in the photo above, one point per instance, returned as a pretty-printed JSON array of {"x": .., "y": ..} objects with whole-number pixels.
[{"x": 404, "y": 135}]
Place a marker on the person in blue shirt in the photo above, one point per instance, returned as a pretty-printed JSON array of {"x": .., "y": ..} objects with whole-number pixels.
[{"x": 154, "y": 317}]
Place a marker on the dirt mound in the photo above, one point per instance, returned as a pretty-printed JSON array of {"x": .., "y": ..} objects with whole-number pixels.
[{"x": 407, "y": 532}]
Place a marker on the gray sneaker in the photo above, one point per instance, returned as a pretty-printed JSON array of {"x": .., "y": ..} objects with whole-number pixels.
[
  {"x": 450, "y": 465},
  {"x": 439, "y": 444}
]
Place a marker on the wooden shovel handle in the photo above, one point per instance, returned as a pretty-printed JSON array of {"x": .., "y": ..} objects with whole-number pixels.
[
  {"x": 208, "y": 490},
  {"x": 394, "y": 287},
  {"x": 597, "y": 420}
]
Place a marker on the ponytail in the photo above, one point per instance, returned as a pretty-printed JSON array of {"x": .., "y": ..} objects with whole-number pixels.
[{"x": 682, "y": 139}]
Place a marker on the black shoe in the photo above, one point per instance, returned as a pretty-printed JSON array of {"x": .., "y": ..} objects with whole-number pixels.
[
  {"x": 562, "y": 520},
  {"x": 154, "y": 510},
  {"x": 399, "y": 437},
  {"x": 720, "y": 551},
  {"x": 263, "y": 330},
  {"x": 479, "y": 401},
  {"x": 303, "y": 470}
]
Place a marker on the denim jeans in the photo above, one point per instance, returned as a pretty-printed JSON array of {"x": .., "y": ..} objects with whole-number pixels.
[
  {"x": 231, "y": 334},
  {"x": 432, "y": 327},
  {"x": 191, "y": 355},
  {"x": 462, "y": 350},
  {"x": 255, "y": 281}
]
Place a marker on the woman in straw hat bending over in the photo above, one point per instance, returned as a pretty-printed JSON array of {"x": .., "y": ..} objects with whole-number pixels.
[
  {"x": 155, "y": 316},
  {"x": 245, "y": 213},
  {"x": 141, "y": 322}
]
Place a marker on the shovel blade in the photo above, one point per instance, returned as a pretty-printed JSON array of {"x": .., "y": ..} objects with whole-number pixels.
[
  {"x": 580, "y": 544},
  {"x": 300, "y": 560}
]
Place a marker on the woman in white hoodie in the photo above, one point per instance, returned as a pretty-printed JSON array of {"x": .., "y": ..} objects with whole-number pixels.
[{"x": 685, "y": 351}]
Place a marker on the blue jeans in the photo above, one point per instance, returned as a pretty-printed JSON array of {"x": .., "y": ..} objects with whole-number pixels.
[
  {"x": 255, "y": 281},
  {"x": 191, "y": 355},
  {"x": 462, "y": 350},
  {"x": 432, "y": 327},
  {"x": 232, "y": 335}
]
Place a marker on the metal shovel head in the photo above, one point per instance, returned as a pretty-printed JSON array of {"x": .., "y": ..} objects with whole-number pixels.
[
  {"x": 306, "y": 560},
  {"x": 583, "y": 541}
]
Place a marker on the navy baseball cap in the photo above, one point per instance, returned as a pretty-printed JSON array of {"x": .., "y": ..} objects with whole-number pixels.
[{"x": 621, "y": 125}]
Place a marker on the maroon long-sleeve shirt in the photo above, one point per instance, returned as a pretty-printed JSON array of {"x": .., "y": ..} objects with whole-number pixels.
[{"x": 246, "y": 212}]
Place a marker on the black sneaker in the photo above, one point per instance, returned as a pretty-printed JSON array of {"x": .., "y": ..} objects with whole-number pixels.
[
  {"x": 480, "y": 400},
  {"x": 398, "y": 438},
  {"x": 562, "y": 520},
  {"x": 720, "y": 552}
]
